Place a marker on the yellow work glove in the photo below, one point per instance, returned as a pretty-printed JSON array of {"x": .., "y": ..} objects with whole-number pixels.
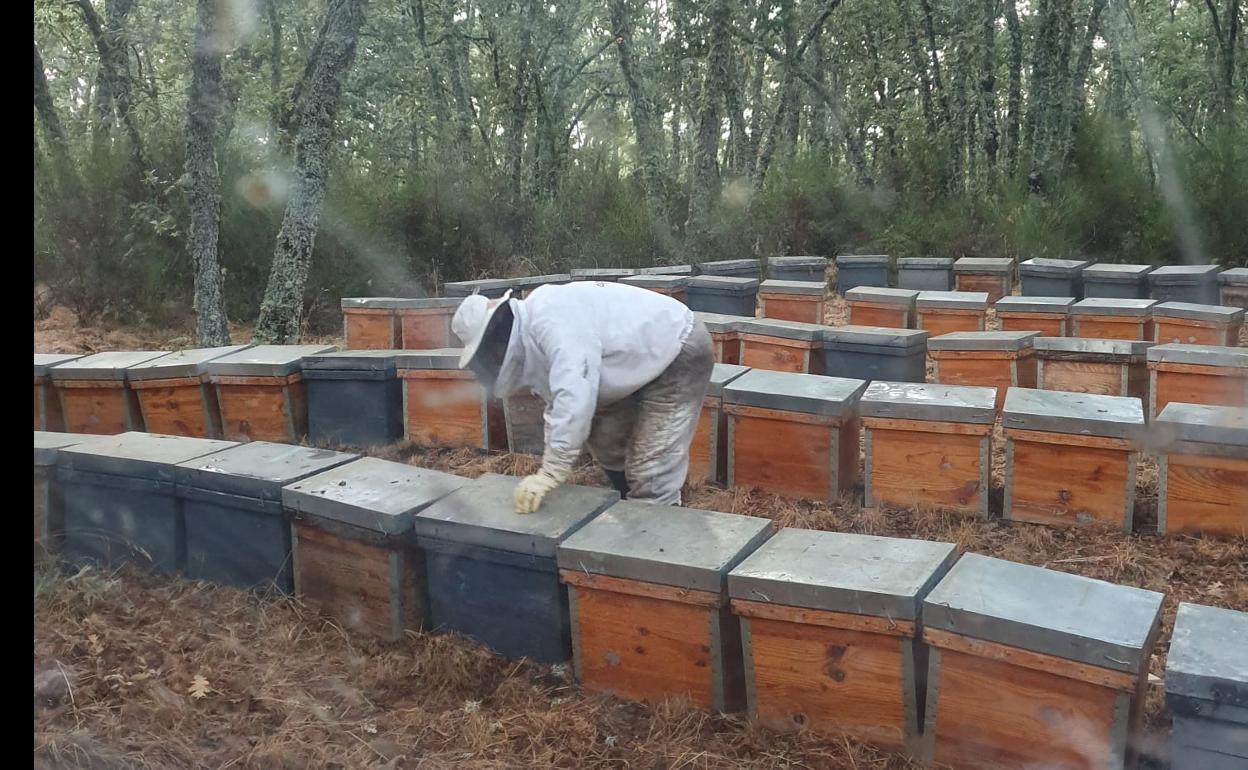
[{"x": 532, "y": 489}]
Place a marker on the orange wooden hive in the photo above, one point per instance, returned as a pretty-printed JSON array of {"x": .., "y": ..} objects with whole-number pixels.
[
  {"x": 1070, "y": 458},
  {"x": 1196, "y": 324},
  {"x": 928, "y": 446},
  {"x": 829, "y": 628},
  {"x": 47, "y": 403},
  {"x": 648, "y": 599},
  {"x": 944, "y": 312},
  {"x": 801, "y": 301},
  {"x": 793, "y": 434},
  {"x": 1104, "y": 367},
  {"x": 992, "y": 359},
  {"x": 175, "y": 395},
  {"x": 444, "y": 405},
  {"x": 1196, "y": 374},
  {"x": 354, "y": 554},
  {"x": 1048, "y": 315},
  {"x": 1029, "y": 668},
  {"x": 674, "y": 286},
  {"x": 781, "y": 346},
  {"x": 724, "y": 335},
  {"x": 93, "y": 393},
  {"x": 994, "y": 275},
  {"x": 425, "y": 323},
  {"x": 882, "y": 306},
  {"x": 1108, "y": 318},
  {"x": 708, "y": 454},
  {"x": 1202, "y": 454},
  {"x": 371, "y": 323},
  {"x": 260, "y": 392}
]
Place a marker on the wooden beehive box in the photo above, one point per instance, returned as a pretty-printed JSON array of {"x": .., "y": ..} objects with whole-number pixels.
[
  {"x": 685, "y": 270},
  {"x": 998, "y": 360},
  {"x": 525, "y": 416},
  {"x": 674, "y": 286},
  {"x": 236, "y": 533},
  {"x": 881, "y": 306},
  {"x": 1196, "y": 374},
  {"x": 993, "y": 275},
  {"x": 802, "y": 269},
  {"x": 354, "y": 397},
  {"x": 1043, "y": 277},
  {"x": 1050, "y": 316},
  {"x": 875, "y": 353},
  {"x": 1185, "y": 283},
  {"x": 781, "y": 346},
  {"x": 491, "y": 572},
  {"x": 724, "y": 335},
  {"x": 928, "y": 446},
  {"x": 1202, "y": 469},
  {"x": 425, "y": 323},
  {"x": 1196, "y": 324},
  {"x": 944, "y": 312},
  {"x": 174, "y": 394},
  {"x": 1104, "y": 367},
  {"x": 49, "y": 511},
  {"x": 1031, "y": 668},
  {"x": 801, "y": 301},
  {"x": 853, "y": 270},
  {"x": 1207, "y": 688},
  {"x": 925, "y": 273},
  {"x": 736, "y": 268},
  {"x": 1233, "y": 287},
  {"x": 1113, "y": 319},
  {"x": 371, "y": 323},
  {"x": 793, "y": 434},
  {"x": 1116, "y": 281},
  {"x": 492, "y": 288},
  {"x": 725, "y": 294},
  {"x": 708, "y": 454},
  {"x": 444, "y": 405},
  {"x": 261, "y": 392},
  {"x": 120, "y": 499},
  {"x": 605, "y": 274},
  {"x": 649, "y": 602},
  {"x": 48, "y": 415},
  {"x": 1070, "y": 458},
  {"x": 354, "y": 553},
  {"x": 523, "y": 287},
  {"x": 830, "y": 630},
  {"x": 93, "y": 393}
]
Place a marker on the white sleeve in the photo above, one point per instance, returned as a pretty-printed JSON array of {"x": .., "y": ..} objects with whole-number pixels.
[{"x": 575, "y": 357}]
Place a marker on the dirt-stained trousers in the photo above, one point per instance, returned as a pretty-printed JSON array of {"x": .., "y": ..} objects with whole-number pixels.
[{"x": 647, "y": 435}]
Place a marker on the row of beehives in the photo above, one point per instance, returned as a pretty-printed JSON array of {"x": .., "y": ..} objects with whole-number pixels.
[{"x": 971, "y": 661}]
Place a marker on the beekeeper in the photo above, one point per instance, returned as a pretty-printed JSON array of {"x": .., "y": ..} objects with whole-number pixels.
[{"x": 622, "y": 371}]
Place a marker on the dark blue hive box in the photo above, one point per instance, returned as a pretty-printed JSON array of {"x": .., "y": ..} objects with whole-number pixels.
[
  {"x": 354, "y": 398},
  {"x": 1207, "y": 688}
]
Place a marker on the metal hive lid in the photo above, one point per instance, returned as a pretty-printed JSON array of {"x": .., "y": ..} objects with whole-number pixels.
[
  {"x": 1082, "y": 414},
  {"x": 533, "y": 281},
  {"x": 111, "y": 365},
  {"x": 45, "y": 361},
  {"x": 1116, "y": 272},
  {"x": 1236, "y": 276},
  {"x": 1208, "y": 656},
  {"x": 728, "y": 265},
  {"x": 929, "y": 401},
  {"x": 426, "y": 303},
  {"x": 792, "y": 330},
  {"x": 792, "y": 262},
  {"x": 724, "y": 283},
  {"x": 181, "y": 363},
  {"x": 601, "y": 273},
  {"x": 685, "y": 270},
  {"x": 1131, "y": 308},
  {"x": 655, "y": 281},
  {"x": 1008, "y": 341},
  {"x": 139, "y": 455},
  {"x": 1047, "y": 266},
  {"x": 719, "y": 322},
  {"x": 378, "y": 303},
  {"x": 48, "y": 444},
  {"x": 1199, "y": 355},
  {"x": 1203, "y": 424},
  {"x": 775, "y": 286},
  {"x": 983, "y": 265},
  {"x": 791, "y": 391},
  {"x": 721, "y": 375},
  {"x": 489, "y": 287},
  {"x": 877, "y": 336},
  {"x": 1183, "y": 274},
  {"x": 952, "y": 300},
  {"x": 440, "y": 358},
  {"x": 883, "y": 295},
  {"x": 1197, "y": 312},
  {"x": 1019, "y": 304},
  {"x": 1074, "y": 348},
  {"x": 353, "y": 360},
  {"x": 862, "y": 259},
  {"x": 264, "y": 360},
  {"x": 925, "y": 263},
  {"x": 257, "y": 469}
]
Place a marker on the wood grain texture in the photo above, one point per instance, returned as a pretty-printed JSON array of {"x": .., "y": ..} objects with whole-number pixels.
[
  {"x": 103, "y": 408},
  {"x": 1094, "y": 377},
  {"x": 1212, "y": 385},
  {"x": 997, "y": 369},
  {"x": 727, "y": 347},
  {"x": 1193, "y": 332},
  {"x": 876, "y": 314},
  {"x": 792, "y": 307},
  {"x": 1112, "y": 327},
  {"x": 371, "y": 328},
  {"x": 426, "y": 328},
  {"x": 183, "y": 406},
  {"x": 810, "y": 617},
  {"x": 1048, "y": 324},
  {"x": 261, "y": 408},
  {"x": 703, "y": 460},
  {"x": 1206, "y": 494},
  {"x": 791, "y": 454},
  {"x": 997, "y": 286},
  {"x": 640, "y": 588},
  {"x": 1070, "y": 669},
  {"x": 916, "y": 469},
  {"x": 444, "y": 410},
  {"x": 780, "y": 355},
  {"x": 48, "y": 414},
  {"x": 1060, "y": 485},
  {"x": 937, "y": 321}
]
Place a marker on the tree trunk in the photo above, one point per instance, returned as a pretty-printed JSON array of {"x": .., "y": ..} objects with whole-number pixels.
[
  {"x": 520, "y": 97},
  {"x": 988, "y": 83},
  {"x": 53, "y": 130},
  {"x": 113, "y": 90},
  {"x": 433, "y": 73},
  {"x": 706, "y": 141},
  {"x": 1015, "y": 100},
  {"x": 647, "y": 123},
  {"x": 282, "y": 309}
]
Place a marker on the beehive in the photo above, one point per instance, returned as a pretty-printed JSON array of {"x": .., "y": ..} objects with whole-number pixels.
[
  {"x": 174, "y": 394},
  {"x": 354, "y": 397},
  {"x": 444, "y": 405},
  {"x": 1116, "y": 281},
  {"x": 355, "y": 557},
  {"x": 881, "y": 306},
  {"x": 1030, "y": 667},
  {"x": 523, "y": 287},
  {"x": 236, "y": 533},
  {"x": 674, "y": 286},
  {"x": 728, "y": 295},
  {"x": 48, "y": 415},
  {"x": 803, "y": 269},
  {"x": 998, "y": 360},
  {"x": 830, "y": 629},
  {"x": 1185, "y": 283},
  {"x": 93, "y": 393},
  {"x": 724, "y": 335},
  {"x": 49, "y": 511},
  {"x": 1196, "y": 374},
  {"x": 781, "y": 346},
  {"x": 801, "y": 301},
  {"x": 1233, "y": 287},
  {"x": 993, "y": 275},
  {"x": 708, "y": 454},
  {"x": 120, "y": 501},
  {"x": 648, "y": 597},
  {"x": 424, "y": 324},
  {"x": 738, "y": 268},
  {"x": 928, "y": 446},
  {"x": 486, "y": 287},
  {"x": 1202, "y": 469},
  {"x": 793, "y": 434},
  {"x": 1196, "y": 324},
  {"x": 1070, "y": 458},
  {"x": 371, "y": 323},
  {"x": 925, "y": 273},
  {"x": 853, "y": 270},
  {"x": 525, "y": 417},
  {"x": 1103, "y": 367},
  {"x": 1050, "y": 316},
  {"x": 1113, "y": 319},
  {"x": 606, "y": 274},
  {"x": 1043, "y": 277},
  {"x": 685, "y": 270},
  {"x": 875, "y": 353},
  {"x": 943, "y": 312},
  {"x": 492, "y": 573},
  {"x": 261, "y": 392},
  {"x": 1207, "y": 688}
]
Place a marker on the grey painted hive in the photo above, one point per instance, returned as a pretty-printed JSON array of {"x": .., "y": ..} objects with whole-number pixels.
[{"x": 1207, "y": 688}]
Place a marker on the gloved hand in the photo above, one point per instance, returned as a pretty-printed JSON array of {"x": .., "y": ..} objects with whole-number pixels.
[{"x": 532, "y": 489}]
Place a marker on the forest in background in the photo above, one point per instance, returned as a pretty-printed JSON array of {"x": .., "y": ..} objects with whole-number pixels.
[{"x": 259, "y": 159}]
